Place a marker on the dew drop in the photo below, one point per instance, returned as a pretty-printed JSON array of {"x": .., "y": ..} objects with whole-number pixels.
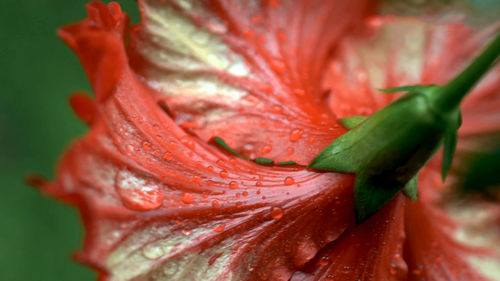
[
  {"x": 276, "y": 213},
  {"x": 220, "y": 228},
  {"x": 289, "y": 181},
  {"x": 223, "y": 174},
  {"x": 245, "y": 194},
  {"x": 187, "y": 198},
  {"x": 233, "y": 185},
  {"x": 295, "y": 135},
  {"x": 167, "y": 156},
  {"x": 324, "y": 261},
  {"x": 137, "y": 193},
  {"x": 186, "y": 231},
  {"x": 196, "y": 180},
  {"x": 152, "y": 252},
  {"x": 173, "y": 145},
  {"x": 187, "y": 141},
  {"x": 290, "y": 150},
  {"x": 146, "y": 145},
  {"x": 248, "y": 34},
  {"x": 299, "y": 92},
  {"x": 266, "y": 149},
  {"x": 215, "y": 204},
  {"x": 130, "y": 148},
  {"x": 277, "y": 109},
  {"x": 278, "y": 66}
]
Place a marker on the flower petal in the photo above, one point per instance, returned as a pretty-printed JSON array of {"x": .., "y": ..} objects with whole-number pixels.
[
  {"x": 371, "y": 251},
  {"x": 160, "y": 203},
  {"x": 247, "y": 71}
]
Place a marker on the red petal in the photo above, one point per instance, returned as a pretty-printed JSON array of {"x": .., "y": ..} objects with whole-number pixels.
[
  {"x": 83, "y": 107},
  {"x": 158, "y": 202},
  {"x": 371, "y": 251},
  {"x": 433, "y": 254},
  {"x": 248, "y": 72}
]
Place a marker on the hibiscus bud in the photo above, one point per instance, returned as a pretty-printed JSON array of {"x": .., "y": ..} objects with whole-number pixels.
[{"x": 389, "y": 148}]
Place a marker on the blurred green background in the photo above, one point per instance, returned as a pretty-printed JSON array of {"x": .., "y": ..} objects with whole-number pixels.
[{"x": 38, "y": 72}]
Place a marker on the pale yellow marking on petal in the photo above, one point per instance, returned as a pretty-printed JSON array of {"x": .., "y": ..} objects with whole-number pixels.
[{"x": 184, "y": 37}]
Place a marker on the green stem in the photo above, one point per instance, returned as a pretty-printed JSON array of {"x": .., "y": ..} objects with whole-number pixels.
[{"x": 450, "y": 95}]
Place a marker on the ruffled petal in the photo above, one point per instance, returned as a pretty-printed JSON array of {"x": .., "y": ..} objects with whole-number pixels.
[
  {"x": 247, "y": 71},
  {"x": 160, "y": 203},
  {"x": 371, "y": 251},
  {"x": 432, "y": 249}
]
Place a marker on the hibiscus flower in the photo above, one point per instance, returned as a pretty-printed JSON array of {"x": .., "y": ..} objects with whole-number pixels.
[{"x": 162, "y": 201}]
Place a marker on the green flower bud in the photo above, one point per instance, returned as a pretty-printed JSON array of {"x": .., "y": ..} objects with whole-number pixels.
[{"x": 387, "y": 149}]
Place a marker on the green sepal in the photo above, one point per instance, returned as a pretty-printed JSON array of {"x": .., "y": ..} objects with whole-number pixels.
[
  {"x": 411, "y": 189},
  {"x": 369, "y": 197},
  {"x": 387, "y": 150},
  {"x": 408, "y": 88},
  {"x": 219, "y": 141},
  {"x": 286, "y": 163},
  {"x": 263, "y": 161},
  {"x": 450, "y": 143},
  {"x": 384, "y": 140},
  {"x": 352, "y": 121}
]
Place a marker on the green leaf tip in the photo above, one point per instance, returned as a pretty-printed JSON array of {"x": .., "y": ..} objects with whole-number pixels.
[
  {"x": 352, "y": 121},
  {"x": 369, "y": 197},
  {"x": 284, "y": 163},
  {"x": 263, "y": 161},
  {"x": 411, "y": 190},
  {"x": 219, "y": 141},
  {"x": 450, "y": 143}
]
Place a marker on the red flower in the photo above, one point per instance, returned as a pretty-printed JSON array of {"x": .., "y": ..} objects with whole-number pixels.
[{"x": 160, "y": 201}]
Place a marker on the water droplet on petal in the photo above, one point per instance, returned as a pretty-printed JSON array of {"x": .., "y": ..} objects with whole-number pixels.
[
  {"x": 289, "y": 181},
  {"x": 295, "y": 135},
  {"x": 233, "y": 185},
  {"x": 146, "y": 145},
  {"x": 152, "y": 252},
  {"x": 220, "y": 228},
  {"x": 278, "y": 66},
  {"x": 173, "y": 145},
  {"x": 324, "y": 261},
  {"x": 187, "y": 198},
  {"x": 167, "y": 156},
  {"x": 215, "y": 204},
  {"x": 266, "y": 149},
  {"x": 187, "y": 141},
  {"x": 223, "y": 174},
  {"x": 276, "y": 213},
  {"x": 137, "y": 193},
  {"x": 277, "y": 109}
]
